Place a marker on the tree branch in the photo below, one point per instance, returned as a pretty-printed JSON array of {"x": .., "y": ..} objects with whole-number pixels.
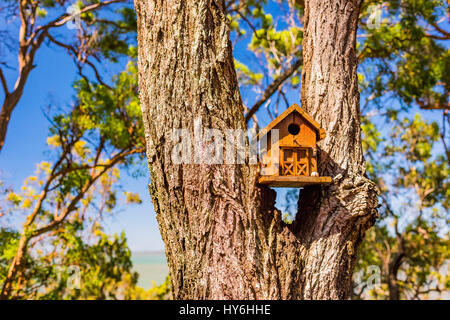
[
  {"x": 72, "y": 50},
  {"x": 272, "y": 88},
  {"x": 29, "y": 43},
  {"x": 64, "y": 18},
  {"x": 4, "y": 84},
  {"x": 445, "y": 34},
  {"x": 432, "y": 106},
  {"x": 27, "y": 234}
]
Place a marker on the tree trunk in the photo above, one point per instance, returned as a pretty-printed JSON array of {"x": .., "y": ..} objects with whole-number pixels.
[
  {"x": 223, "y": 237},
  {"x": 11, "y": 100},
  {"x": 331, "y": 222}
]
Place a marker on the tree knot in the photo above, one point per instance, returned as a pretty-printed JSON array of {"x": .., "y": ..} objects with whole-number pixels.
[{"x": 358, "y": 195}]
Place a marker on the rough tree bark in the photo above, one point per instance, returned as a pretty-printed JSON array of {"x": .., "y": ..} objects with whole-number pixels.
[
  {"x": 331, "y": 221},
  {"x": 222, "y": 234}
]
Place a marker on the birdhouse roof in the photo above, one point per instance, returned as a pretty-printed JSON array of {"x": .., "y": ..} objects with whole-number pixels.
[{"x": 319, "y": 130}]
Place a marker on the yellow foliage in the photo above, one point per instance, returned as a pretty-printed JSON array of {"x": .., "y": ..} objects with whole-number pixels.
[
  {"x": 26, "y": 203},
  {"x": 31, "y": 179},
  {"x": 54, "y": 141},
  {"x": 44, "y": 166},
  {"x": 80, "y": 148},
  {"x": 132, "y": 197},
  {"x": 14, "y": 198},
  {"x": 116, "y": 173}
]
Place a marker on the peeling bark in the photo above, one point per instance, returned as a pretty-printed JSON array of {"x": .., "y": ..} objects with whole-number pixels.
[{"x": 224, "y": 239}]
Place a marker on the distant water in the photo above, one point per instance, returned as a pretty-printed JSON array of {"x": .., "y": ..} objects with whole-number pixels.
[{"x": 150, "y": 266}]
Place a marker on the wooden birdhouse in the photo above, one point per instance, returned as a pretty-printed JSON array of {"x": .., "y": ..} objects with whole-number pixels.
[{"x": 289, "y": 152}]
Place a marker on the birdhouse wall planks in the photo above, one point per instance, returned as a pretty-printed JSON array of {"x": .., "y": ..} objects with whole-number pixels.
[{"x": 289, "y": 155}]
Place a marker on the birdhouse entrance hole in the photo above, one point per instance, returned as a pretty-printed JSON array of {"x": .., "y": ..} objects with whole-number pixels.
[{"x": 294, "y": 129}]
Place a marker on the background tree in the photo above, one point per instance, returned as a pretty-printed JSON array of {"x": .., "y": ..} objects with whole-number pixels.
[
  {"x": 402, "y": 55},
  {"x": 410, "y": 243},
  {"x": 403, "y": 70},
  {"x": 65, "y": 204},
  {"x": 96, "y": 36},
  {"x": 102, "y": 133}
]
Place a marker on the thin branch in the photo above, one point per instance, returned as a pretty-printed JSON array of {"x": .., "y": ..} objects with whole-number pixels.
[
  {"x": 27, "y": 234},
  {"x": 64, "y": 18},
  {"x": 272, "y": 88},
  {"x": 72, "y": 50},
  {"x": 283, "y": 95},
  {"x": 447, "y": 150},
  {"x": 435, "y": 106},
  {"x": 249, "y": 24},
  {"x": 4, "y": 84},
  {"x": 73, "y": 204},
  {"x": 436, "y": 37},
  {"x": 445, "y": 33}
]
